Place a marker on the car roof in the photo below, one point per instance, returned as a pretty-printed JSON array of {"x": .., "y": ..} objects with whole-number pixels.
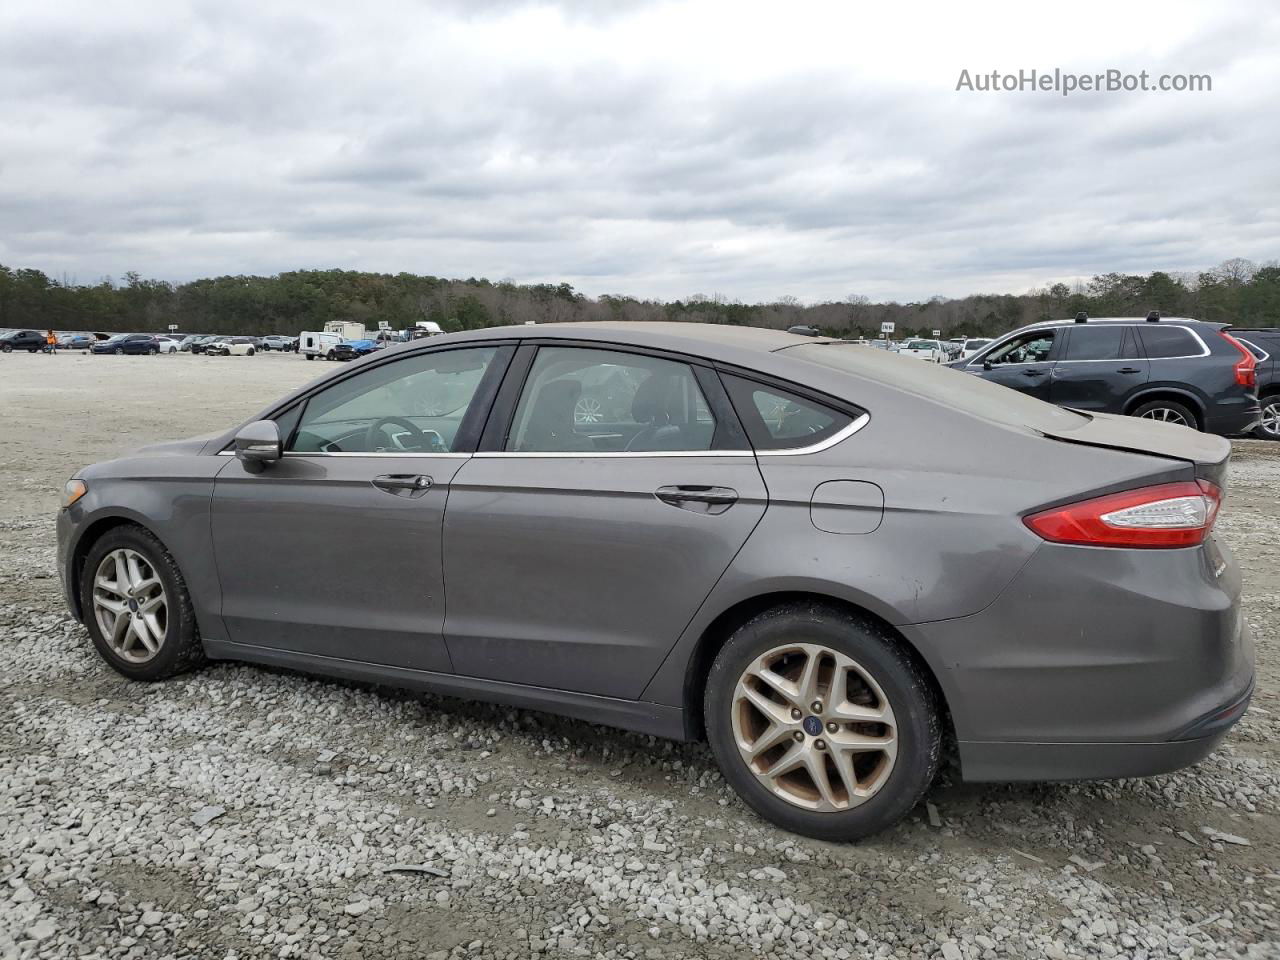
[{"x": 714, "y": 341}]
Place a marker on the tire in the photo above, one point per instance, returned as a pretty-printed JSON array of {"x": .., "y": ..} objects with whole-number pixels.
[
  {"x": 896, "y": 782},
  {"x": 1268, "y": 427},
  {"x": 7, "y": 347},
  {"x": 330, "y": 356},
  {"x": 119, "y": 351},
  {"x": 250, "y": 353},
  {"x": 179, "y": 648},
  {"x": 1167, "y": 411},
  {"x": 310, "y": 356}
]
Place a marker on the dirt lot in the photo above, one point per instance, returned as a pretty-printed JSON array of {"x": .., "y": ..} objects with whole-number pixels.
[{"x": 542, "y": 836}]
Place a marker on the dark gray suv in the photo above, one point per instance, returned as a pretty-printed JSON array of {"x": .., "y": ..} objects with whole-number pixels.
[
  {"x": 827, "y": 561},
  {"x": 1173, "y": 369}
]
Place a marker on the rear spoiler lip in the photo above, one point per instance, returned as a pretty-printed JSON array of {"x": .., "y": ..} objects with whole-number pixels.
[{"x": 1212, "y": 469}]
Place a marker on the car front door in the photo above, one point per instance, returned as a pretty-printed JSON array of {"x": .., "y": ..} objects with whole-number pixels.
[
  {"x": 334, "y": 550},
  {"x": 611, "y": 491},
  {"x": 1024, "y": 362},
  {"x": 1098, "y": 368}
]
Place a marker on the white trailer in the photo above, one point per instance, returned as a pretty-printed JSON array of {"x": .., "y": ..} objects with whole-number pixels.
[{"x": 346, "y": 329}]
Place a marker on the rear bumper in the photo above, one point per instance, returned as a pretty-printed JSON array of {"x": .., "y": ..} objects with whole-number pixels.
[
  {"x": 1008, "y": 761},
  {"x": 1097, "y": 663},
  {"x": 1239, "y": 420}
]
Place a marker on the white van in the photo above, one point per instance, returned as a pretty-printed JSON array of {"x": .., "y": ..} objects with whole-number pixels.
[{"x": 314, "y": 343}]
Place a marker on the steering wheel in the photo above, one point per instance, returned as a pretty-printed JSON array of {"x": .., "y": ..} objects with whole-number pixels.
[{"x": 374, "y": 434}]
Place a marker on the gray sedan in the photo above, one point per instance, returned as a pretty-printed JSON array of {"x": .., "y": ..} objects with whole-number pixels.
[{"x": 828, "y": 562}]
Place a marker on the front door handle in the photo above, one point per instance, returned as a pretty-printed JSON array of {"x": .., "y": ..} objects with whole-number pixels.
[
  {"x": 1128, "y": 370},
  {"x": 697, "y": 497},
  {"x": 1033, "y": 373},
  {"x": 401, "y": 484}
]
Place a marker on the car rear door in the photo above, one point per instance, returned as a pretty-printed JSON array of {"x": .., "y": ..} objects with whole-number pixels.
[
  {"x": 582, "y": 538},
  {"x": 335, "y": 549},
  {"x": 1098, "y": 368}
]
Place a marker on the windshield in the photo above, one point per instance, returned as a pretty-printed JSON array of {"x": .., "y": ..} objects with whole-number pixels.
[
  {"x": 940, "y": 384},
  {"x": 921, "y": 345},
  {"x": 116, "y": 339},
  {"x": 975, "y": 344}
]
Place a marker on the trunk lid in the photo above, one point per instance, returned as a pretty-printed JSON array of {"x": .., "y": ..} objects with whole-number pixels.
[{"x": 1208, "y": 453}]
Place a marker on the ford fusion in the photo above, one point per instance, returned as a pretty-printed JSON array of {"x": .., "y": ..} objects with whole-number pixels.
[{"x": 827, "y": 562}]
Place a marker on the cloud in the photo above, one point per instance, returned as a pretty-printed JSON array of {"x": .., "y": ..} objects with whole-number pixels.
[{"x": 655, "y": 149}]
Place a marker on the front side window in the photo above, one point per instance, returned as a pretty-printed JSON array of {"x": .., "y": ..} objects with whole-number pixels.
[
  {"x": 1094, "y": 343},
  {"x": 583, "y": 400},
  {"x": 1164, "y": 342},
  {"x": 1028, "y": 348},
  {"x": 414, "y": 405},
  {"x": 776, "y": 419}
]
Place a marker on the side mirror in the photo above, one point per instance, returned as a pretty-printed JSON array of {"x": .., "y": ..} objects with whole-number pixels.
[
  {"x": 986, "y": 364},
  {"x": 258, "y": 444}
]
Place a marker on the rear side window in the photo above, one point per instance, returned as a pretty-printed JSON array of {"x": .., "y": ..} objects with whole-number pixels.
[
  {"x": 779, "y": 420},
  {"x": 1094, "y": 343},
  {"x": 584, "y": 400},
  {"x": 1162, "y": 342}
]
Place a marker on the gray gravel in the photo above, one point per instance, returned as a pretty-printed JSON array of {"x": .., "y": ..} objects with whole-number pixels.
[{"x": 247, "y": 813}]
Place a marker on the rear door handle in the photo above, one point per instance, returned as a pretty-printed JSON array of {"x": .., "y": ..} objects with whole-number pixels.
[
  {"x": 1033, "y": 373},
  {"x": 697, "y": 497},
  {"x": 1128, "y": 370},
  {"x": 412, "y": 484}
]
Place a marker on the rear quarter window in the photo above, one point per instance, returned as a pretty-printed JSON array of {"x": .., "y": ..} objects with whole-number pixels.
[
  {"x": 776, "y": 419},
  {"x": 1164, "y": 342}
]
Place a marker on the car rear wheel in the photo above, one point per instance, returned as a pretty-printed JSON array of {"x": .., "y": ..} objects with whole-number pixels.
[
  {"x": 821, "y": 723},
  {"x": 7, "y": 347},
  {"x": 1167, "y": 411},
  {"x": 310, "y": 356},
  {"x": 250, "y": 351},
  {"x": 137, "y": 608},
  {"x": 1268, "y": 427}
]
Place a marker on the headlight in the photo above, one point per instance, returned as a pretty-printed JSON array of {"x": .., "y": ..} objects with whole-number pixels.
[{"x": 73, "y": 491}]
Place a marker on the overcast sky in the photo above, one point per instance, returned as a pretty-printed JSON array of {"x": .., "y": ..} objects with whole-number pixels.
[{"x": 660, "y": 150}]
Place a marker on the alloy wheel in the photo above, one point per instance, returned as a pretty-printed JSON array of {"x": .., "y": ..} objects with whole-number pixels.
[
  {"x": 1165, "y": 415},
  {"x": 1270, "y": 422},
  {"x": 587, "y": 410},
  {"x": 814, "y": 727},
  {"x": 130, "y": 606}
]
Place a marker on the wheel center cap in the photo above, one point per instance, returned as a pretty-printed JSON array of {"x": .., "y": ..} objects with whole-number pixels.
[
  {"x": 812, "y": 725},
  {"x": 133, "y": 605}
]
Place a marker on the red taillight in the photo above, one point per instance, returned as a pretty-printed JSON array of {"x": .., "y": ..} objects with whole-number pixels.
[
  {"x": 1166, "y": 515},
  {"x": 1247, "y": 368}
]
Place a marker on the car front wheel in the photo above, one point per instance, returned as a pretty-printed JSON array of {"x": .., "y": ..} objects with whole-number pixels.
[
  {"x": 137, "y": 608},
  {"x": 821, "y": 722},
  {"x": 1268, "y": 427}
]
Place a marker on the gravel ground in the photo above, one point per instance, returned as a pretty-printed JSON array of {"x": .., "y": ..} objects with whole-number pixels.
[{"x": 241, "y": 813}]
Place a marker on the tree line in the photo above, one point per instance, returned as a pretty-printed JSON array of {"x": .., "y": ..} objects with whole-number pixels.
[{"x": 1236, "y": 291}]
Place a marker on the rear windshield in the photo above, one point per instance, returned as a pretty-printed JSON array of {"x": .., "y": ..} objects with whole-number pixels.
[{"x": 960, "y": 391}]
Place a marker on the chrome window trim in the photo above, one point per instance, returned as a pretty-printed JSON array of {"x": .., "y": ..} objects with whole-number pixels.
[
  {"x": 1265, "y": 355},
  {"x": 608, "y": 454},
  {"x": 385, "y": 454},
  {"x": 839, "y": 436}
]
